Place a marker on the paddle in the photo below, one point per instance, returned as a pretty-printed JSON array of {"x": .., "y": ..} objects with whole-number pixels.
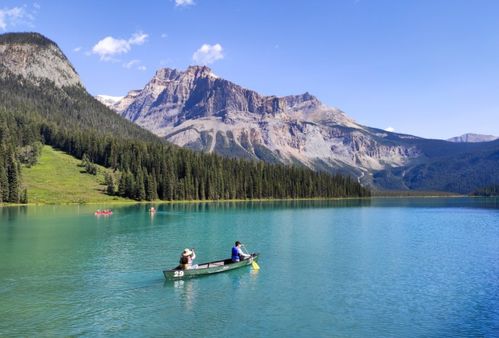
[{"x": 254, "y": 264}]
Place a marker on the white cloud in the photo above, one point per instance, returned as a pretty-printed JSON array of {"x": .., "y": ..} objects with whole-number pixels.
[
  {"x": 130, "y": 64},
  {"x": 36, "y": 5},
  {"x": 164, "y": 36},
  {"x": 134, "y": 64},
  {"x": 390, "y": 129},
  {"x": 138, "y": 39},
  {"x": 207, "y": 54},
  {"x": 14, "y": 16},
  {"x": 77, "y": 49},
  {"x": 109, "y": 46},
  {"x": 184, "y": 3}
]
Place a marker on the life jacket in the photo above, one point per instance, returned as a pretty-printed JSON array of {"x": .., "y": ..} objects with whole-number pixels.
[{"x": 235, "y": 254}]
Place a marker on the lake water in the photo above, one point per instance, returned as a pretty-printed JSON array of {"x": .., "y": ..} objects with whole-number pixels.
[{"x": 379, "y": 268}]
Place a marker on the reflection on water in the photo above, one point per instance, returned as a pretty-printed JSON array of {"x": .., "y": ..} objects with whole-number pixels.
[
  {"x": 11, "y": 212},
  {"x": 389, "y": 202},
  {"x": 185, "y": 291},
  {"x": 254, "y": 273},
  {"x": 166, "y": 209},
  {"x": 450, "y": 202}
]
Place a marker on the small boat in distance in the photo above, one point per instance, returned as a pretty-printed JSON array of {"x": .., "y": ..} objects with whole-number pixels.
[
  {"x": 106, "y": 212},
  {"x": 209, "y": 268}
]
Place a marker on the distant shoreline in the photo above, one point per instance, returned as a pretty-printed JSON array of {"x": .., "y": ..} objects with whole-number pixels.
[{"x": 245, "y": 200}]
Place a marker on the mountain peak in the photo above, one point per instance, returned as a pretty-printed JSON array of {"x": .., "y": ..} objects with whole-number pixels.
[
  {"x": 197, "y": 68},
  {"x": 293, "y": 100},
  {"x": 166, "y": 74},
  {"x": 32, "y": 38},
  {"x": 191, "y": 71},
  {"x": 473, "y": 138},
  {"x": 36, "y": 58},
  {"x": 200, "y": 71}
]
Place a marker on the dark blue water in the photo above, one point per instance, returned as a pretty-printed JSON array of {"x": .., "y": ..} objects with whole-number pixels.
[{"x": 380, "y": 268}]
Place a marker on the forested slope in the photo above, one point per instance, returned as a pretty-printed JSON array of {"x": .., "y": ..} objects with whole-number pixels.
[{"x": 145, "y": 167}]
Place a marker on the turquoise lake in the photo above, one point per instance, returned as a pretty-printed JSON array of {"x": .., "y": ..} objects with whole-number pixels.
[{"x": 350, "y": 268}]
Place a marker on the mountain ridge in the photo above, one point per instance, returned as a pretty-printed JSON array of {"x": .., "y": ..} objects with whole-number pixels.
[
  {"x": 47, "y": 104},
  {"x": 472, "y": 137},
  {"x": 199, "y": 110},
  {"x": 196, "y": 109}
]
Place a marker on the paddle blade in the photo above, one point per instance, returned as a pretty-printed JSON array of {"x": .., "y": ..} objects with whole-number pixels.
[{"x": 255, "y": 265}]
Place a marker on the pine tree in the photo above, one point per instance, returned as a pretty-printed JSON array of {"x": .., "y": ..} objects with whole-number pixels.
[
  {"x": 4, "y": 183},
  {"x": 14, "y": 181},
  {"x": 109, "y": 181},
  {"x": 24, "y": 196},
  {"x": 151, "y": 193},
  {"x": 122, "y": 185},
  {"x": 140, "y": 190},
  {"x": 130, "y": 185}
]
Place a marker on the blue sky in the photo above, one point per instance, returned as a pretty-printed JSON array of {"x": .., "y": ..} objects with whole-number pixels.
[{"x": 426, "y": 67}]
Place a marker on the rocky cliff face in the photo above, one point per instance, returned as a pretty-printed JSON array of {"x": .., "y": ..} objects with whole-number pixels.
[
  {"x": 473, "y": 138},
  {"x": 36, "y": 58},
  {"x": 196, "y": 109}
]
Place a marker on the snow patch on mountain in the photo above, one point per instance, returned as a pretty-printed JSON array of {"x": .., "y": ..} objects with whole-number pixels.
[{"x": 109, "y": 100}]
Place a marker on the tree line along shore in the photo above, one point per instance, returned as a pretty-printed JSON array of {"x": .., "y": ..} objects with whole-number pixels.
[{"x": 141, "y": 165}]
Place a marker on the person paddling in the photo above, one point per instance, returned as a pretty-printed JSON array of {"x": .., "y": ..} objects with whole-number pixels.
[
  {"x": 186, "y": 259},
  {"x": 237, "y": 252}
]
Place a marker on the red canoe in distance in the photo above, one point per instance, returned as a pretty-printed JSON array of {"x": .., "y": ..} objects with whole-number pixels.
[{"x": 103, "y": 213}]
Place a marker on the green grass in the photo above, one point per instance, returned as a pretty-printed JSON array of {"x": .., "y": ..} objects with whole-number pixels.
[{"x": 58, "y": 178}]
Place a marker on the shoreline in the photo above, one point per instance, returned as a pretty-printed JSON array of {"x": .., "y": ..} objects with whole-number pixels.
[{"x": 159, "y": 202}]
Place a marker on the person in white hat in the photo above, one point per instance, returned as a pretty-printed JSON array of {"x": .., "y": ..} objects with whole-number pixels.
[{"x": 186, "y": 259}]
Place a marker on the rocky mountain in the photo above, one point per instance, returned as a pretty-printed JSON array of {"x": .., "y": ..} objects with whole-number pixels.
[
  {"x": 470, "y": 137},
  {"x": 199, "y": 110},
  {"x": 36, "y": 59},
  {"x": 36, "y": 76},
  {"x": 43, "y": 102},
  {"x": 125, "y": 101}
]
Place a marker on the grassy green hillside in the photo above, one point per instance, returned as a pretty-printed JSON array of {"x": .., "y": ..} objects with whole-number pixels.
[{"x": 58, "y": 178}]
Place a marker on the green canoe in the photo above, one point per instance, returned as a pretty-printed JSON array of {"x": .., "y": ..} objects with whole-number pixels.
[{"x": 209, "y": 268}]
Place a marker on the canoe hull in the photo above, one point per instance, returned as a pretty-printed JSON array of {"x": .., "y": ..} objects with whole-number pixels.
[{"x": 208, "y": 268}]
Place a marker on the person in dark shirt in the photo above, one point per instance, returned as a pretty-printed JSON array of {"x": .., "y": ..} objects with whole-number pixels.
[{"x": 237, "y": 252}]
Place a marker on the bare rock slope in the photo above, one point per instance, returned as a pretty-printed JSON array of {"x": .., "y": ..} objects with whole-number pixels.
[
  {"x": 197, "y": 109},
  {"x": 36, "y": 58},
  {"x": 473, "y": 138}
]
